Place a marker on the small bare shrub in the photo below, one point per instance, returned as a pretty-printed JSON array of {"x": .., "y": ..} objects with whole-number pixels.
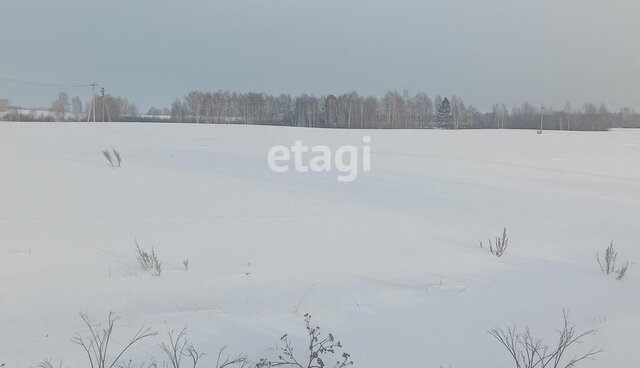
[
  {"x": 148, "y": 261},
  {"x": 179, "y": 346},
  {"x": 622, "y": 271},
  {"x": 240, "y": 360},
  {"x": 109, "y": 158},
  {"x": 320, "y": 348},
  {"x": 185, "y": 264},
  {"x": 118, "y": 157},
  {"x": 500, "y": 245},
  {"x": 96, "y": 345},
  {"x": 115, "y": 159},
  {"x": 608, "y": 263},
  {"x": 151, "y": 363},
  {"x": 131, "y": 364},
  {"x": 47, "y": 363},
  {"x": 527, "y": 351},
  {"x": 174, "y": 349}
]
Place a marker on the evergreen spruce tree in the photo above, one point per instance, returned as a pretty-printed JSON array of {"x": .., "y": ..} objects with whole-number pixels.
[{"x": 444, "y": 119}]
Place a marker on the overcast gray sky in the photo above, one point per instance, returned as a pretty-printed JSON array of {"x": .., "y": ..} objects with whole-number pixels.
[{"x": 152, "y": 51}]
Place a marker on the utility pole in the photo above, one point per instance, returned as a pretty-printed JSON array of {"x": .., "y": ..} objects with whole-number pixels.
[
  {"x": 92, "y": 106},
  {"x": 103, "y": 104}
]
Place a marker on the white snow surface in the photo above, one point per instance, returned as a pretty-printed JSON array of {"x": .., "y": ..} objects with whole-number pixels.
[{"x": 389, "y": 263}]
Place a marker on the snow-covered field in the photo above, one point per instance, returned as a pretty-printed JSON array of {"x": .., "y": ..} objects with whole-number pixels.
[{"x": 389, "y": 263}]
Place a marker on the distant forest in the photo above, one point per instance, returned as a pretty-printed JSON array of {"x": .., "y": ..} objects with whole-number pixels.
[{"x": 350, "y": 110}]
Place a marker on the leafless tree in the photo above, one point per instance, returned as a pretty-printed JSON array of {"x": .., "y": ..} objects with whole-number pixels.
[
  {"x": 501, "y": 114},
  {"x": 394, "y": 110},
  {"x": 564, "y": 120},
  {"x": 331, "y": 111},
  {"x": 4, "y": 104},
  {"x": 421, "y": 110},
  {"x": 604, "y": 117},
  {"x": 590, "y": 112},
  {"x": 129, "y": 108},
  {"x": 307, "y": 111},
  {"x": 154, "y": 111},
  {"x": 76, "y": 108},
  {"x": 61, "y": 106},
  {"x": 457, "y": 111},
  {"x": 470, "y": 115},
  {"x": 370, "y": 108}
]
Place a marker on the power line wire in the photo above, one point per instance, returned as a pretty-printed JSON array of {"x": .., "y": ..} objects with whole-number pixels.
[{"x": 20, "y": 81}]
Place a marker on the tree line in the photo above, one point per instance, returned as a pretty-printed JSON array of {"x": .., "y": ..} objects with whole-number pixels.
[
  {"x": 65, "y": 108},
  {"x": 392, "y": 111},
  {"x": 350, "y": 110}
]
